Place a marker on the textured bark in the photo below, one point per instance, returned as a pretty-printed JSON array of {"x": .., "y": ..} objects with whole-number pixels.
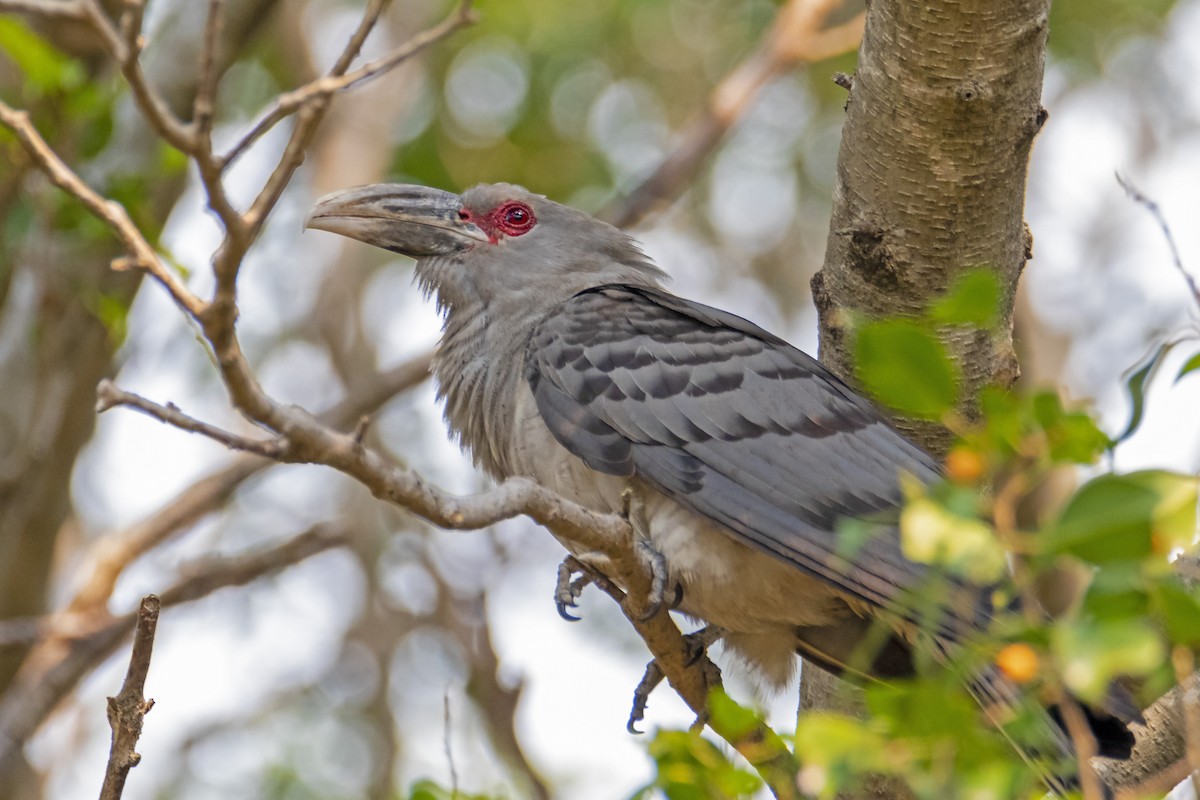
[
  {"x": 931, "y": 178},
  {"x": 931, "y": 174}
]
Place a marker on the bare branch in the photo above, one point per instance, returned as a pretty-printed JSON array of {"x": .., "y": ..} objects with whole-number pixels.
[
  {"x": 1160, "y": 218},
  {"x": 205, "y": 105},
  {"x": 314, "y": 106},
  {"x": 688, "y": 676},
  {"x": 112, "y": 553},
  {"x": 221, "y": 313},
  {"x": 68, "y": 9},
  {"x": 56, "y": 666},
  {"x": 125, "y": 46},
  {"x": 203, "y": 113},
  {"x": 127, "y": 710},
  {"x": 795, "y": 37},
  {"x": 288, "y": 103},
  {"x": 110, "y": 212},
  {"x": 109, "y": 396}
]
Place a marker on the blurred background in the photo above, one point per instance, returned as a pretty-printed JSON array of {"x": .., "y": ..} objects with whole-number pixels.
[{"x": 417, "y": 653}]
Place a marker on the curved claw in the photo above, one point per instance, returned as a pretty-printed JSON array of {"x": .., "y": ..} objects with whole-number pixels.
[
  {"x": 568, "y": 589},
  {"x": 658, "y": 581},
  {"x": 652, "y": 678}
]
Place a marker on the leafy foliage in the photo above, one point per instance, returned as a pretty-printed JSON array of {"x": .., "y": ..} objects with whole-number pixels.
[
  {"x": 1120, "y": 531},
  {"x": 904, "y": 366}
]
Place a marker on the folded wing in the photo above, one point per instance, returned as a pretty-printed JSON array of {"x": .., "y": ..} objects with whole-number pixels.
[{"x": 733, "y": 423}]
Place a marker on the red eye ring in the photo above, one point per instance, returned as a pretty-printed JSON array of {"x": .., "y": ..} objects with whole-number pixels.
[{"x": 513, "y": 218}]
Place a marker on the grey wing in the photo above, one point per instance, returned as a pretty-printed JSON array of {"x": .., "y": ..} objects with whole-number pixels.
[{"x": 733, "y": 423}]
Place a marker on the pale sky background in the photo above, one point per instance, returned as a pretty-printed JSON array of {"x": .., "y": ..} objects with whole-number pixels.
[{"x": 213, "y": 655}]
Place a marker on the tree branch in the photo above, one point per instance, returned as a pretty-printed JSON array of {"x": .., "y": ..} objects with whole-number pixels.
[
  {"x": 110, "y": 212},
  {"x": 796, "y": 36},
  {"x": 115, "y": 551},
  {"x": 62, "y": 9},
  {"x": 109, "y": 396},
  {"x": 125, "y": 47},
  {"x": 55, "y": 666},
  {"x": 290, "y": 102},
  {"x": 127, "y": 710}
]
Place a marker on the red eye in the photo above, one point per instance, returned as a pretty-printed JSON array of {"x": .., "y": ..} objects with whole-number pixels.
[{"x": 513, "y": 218}]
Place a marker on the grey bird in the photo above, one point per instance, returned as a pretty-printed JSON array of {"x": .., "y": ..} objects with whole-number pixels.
[{"x": 563, "y": 359}]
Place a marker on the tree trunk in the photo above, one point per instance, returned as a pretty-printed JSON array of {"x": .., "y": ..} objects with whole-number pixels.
[
  {"x": 931, "y": 178},
  {"x": 931, "y": 175}
]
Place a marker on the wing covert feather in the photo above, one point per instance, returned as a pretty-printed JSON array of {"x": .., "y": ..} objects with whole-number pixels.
[{"x": 730, "y": 421}]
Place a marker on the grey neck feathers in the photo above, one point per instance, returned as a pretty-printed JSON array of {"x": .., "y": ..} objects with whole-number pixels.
[{"x": 480, "y": 365}]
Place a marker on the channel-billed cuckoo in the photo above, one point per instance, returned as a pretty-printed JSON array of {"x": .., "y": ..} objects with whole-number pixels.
[{"x": 563, "y": 359}]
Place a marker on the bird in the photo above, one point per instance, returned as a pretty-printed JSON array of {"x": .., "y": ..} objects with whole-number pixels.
[{"x": 564, "y": 359}]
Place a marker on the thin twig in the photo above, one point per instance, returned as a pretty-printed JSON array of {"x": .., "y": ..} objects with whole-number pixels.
[
  {"x": 446, "y": 746},
  {"x": 53, "y": 669},
  {"x": 318, "y": 102},
  {"x": 127, "y": 710},
  {"x": 221, "y": 313},
  {"x": 205, "y": 105},
  {"x": 204, "y": 110},
  {"x": 110, "y": 396},
  {"x": 110, "y": 212},
  {"x": 1160, "y": 218},
  {"x": 114, "y": 552},
  {"x": 125, "y": 47},
  {"x": 796, "y": 36},
  {"x": 61, "y": 9},
  {"x": 288, "y": 103}
]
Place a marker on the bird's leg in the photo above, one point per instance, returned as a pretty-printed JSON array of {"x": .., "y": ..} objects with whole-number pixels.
[
  {"x": 698, "y": 644},
  {"x": 569, "y": 588},
  {"x": 634, "y": 510},
  {"x": 651, "y": 678}
]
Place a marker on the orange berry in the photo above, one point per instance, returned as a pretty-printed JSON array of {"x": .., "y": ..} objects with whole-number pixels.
[
  {"x": 964, "y": 466},
  {"x": 1018, "y": 662}
]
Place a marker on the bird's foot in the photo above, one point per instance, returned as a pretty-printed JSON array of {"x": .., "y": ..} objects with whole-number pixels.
[
  {"x": 656, "y": 595},
  {"x": 651, "y": 678},
  {"x": 697, "y": 644},
  {"x": 570, "y": 587},
  {"x": 634, "y": 510}
]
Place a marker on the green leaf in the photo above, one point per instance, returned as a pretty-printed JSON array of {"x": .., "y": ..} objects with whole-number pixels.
[
  {"x": 907, "y": 368},
  {"x": 731, "y": 719},
  {"x": 1135, "y": 387},
  {"x": 1189, "y": 366},
  {"x": 1094, "y": 653},
  {"x": 1179, "y": 609},
  {"x": 1072, "y": 436},
  {"x": 827, "y": 739},
  {"x": 973, "y": 299},
  {"x": 690, "y": 767},
  {"x": 924, "y": 709},
  {"x": 1127, "y": 517},
  {"x": 1118, "y": 590},
  {"x": 964, "y": 546}
]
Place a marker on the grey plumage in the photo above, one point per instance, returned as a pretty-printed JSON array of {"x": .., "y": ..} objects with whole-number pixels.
[{"x": 563, "y": 359}]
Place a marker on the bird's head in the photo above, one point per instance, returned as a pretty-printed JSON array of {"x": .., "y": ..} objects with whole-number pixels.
[{"x": 492, "y": 242}]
